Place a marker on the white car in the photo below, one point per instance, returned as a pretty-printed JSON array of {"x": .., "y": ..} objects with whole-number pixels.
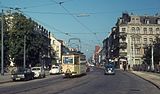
[
  {"x": 39, "y": 72},
  {"x": 55, "y": 70}
]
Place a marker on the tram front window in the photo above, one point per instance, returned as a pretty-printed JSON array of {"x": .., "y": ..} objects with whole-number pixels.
[{"x": 68, "y": 60}]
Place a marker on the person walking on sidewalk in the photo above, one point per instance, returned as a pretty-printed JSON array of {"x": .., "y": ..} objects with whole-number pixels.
[{"x": 124, "y": 66}]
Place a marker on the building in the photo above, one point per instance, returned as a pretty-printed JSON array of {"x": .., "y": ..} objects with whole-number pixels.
[
  {"x": 131, "y": 35},
  {"x": 57, "y": 47},
  {"x": 97, "y": 54}
]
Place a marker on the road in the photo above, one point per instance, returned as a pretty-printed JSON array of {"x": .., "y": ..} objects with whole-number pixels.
[{"x": 95, "y": 82}]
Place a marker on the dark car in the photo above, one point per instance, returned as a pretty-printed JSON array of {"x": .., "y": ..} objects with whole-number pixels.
[
  {"x": 109, "y": 69},
  {"x": 22, "y": 74}
]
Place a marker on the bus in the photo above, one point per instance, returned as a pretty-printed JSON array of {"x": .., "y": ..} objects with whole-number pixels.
[{"x": 73, "y": 64}]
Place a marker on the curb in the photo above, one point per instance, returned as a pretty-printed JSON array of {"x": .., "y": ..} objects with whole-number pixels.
[
  {"x": 3, "y": 82},
  {"x": 146, "y": 80}
]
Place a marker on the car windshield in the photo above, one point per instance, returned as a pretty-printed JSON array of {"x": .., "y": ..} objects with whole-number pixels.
[
  {"x": 109, "y": 66},
  {"x": 20, "y": 70}
]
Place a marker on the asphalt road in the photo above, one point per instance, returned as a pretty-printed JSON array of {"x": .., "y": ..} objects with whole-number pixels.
[{"x": 95, "y": 82}]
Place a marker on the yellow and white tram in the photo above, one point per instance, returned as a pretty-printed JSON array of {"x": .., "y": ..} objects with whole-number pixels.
[{"x": 73, "y": 64}]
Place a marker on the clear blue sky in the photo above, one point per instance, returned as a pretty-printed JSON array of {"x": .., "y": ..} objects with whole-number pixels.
[{"x": 89, "y": 20}]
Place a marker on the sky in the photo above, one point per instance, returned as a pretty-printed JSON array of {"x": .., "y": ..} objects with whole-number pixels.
[{"x": 88, "y": 20}]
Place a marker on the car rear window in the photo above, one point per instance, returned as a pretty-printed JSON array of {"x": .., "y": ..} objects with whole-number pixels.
[
  {"x": 55, "y": 67},
  {"x": 36, "y": 69}
]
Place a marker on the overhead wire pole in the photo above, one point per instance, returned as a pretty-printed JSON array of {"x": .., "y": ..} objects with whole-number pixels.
[
  {"x": 24, "y": 54},
  {"x": 2, "y": 55}
]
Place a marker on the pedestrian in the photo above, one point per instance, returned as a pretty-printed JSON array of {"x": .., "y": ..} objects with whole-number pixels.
[
  {"x": 124, "y": 66},
  {"x": 129, "y": 67}
]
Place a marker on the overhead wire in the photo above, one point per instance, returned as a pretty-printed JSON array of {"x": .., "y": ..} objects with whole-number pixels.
[
  {"x": 83, "y": 25},
  {"x": 52, "y": 27}
]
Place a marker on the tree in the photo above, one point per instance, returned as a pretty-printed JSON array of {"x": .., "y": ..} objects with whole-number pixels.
[
  {"x": 156, "y": 53},
  {"x": 36, "y": 42},
  {"x": 5, "y": 40}
]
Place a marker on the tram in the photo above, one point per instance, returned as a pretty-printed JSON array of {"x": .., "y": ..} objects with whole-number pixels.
[{"x": 73, "y": 63}]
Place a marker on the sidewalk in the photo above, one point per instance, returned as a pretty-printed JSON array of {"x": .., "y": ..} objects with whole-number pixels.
[
  {"x": 153, "y": 78},
  {"x": 5, "y": 78}
]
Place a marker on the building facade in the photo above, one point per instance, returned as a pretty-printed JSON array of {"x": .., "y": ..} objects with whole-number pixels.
[{"x": 131, "y": 35}]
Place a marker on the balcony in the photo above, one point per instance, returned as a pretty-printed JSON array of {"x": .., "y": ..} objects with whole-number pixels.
[
  {"x": 122, "y": 54},
  {"x": 122, "y": 35},
  {"x": 123, "y": 45}
]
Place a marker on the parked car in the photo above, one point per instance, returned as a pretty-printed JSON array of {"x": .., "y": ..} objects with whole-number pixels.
[
  {"x": 109, "y": 69},
  {"x": 39, "y": 72},
  {"x": 22, "y": 74},
  {"x": 55, "y": 70}
]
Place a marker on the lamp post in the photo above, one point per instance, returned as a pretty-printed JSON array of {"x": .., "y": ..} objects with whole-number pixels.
[
  {"x": 152, "y": 57},
  {"x": 24, "y": 54},
  {"x": 2, "y": 56}
]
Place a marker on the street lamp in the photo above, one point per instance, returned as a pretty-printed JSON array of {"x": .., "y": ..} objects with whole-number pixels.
[{"x": 152, "y": 56}]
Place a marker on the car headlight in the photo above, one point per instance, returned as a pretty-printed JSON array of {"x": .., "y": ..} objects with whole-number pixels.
[{"x": 12, "y": 76}]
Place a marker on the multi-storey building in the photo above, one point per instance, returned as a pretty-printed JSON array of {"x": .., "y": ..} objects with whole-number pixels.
[
  {"x": 131, "y": 35},
  {"x": 57, "y": 47},
  {"x": 96, "y": 54}
]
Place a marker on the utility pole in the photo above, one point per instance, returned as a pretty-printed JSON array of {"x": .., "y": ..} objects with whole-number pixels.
[
  {"x": 2, "y": 55},
  {"x": 24, "y": 54}
]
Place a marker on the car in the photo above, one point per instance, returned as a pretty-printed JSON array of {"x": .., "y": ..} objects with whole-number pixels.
[
  {"x": 22, "y": 74},
  {"x": 109, "y": 69},
  {"x": 55, "y": 70},
  {"x": 39, "y": 72}
]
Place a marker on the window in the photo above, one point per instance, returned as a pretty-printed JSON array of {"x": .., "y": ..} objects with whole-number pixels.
[
  {"x": 133, "y": 29},
  {"x": 150, "y": 40},
  {"x": 138, "y": 40},
  {"x": 53, "y": 42},
  {"x": 145, "y": 40},
  {"x": 123, "y": 29},
  {"x": 158, "y": 21},
  {"x": 133, "y": 39},
  {"x": 157, "y": 31},
  {"x": 151, "y": 30},
  {"x": 76, "y": 60},
  {"x": 138, "y": 30},
  {"x": 132, "y": 51},
  {"x": 146, "y": 21},
  {"x": 137, "y": 61},
  {"x": 137, "y": 51},
  {"x": 133, "y": 18},
  {"x": 145, "y": 30},
  {"x": 68, "y": 60}
]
